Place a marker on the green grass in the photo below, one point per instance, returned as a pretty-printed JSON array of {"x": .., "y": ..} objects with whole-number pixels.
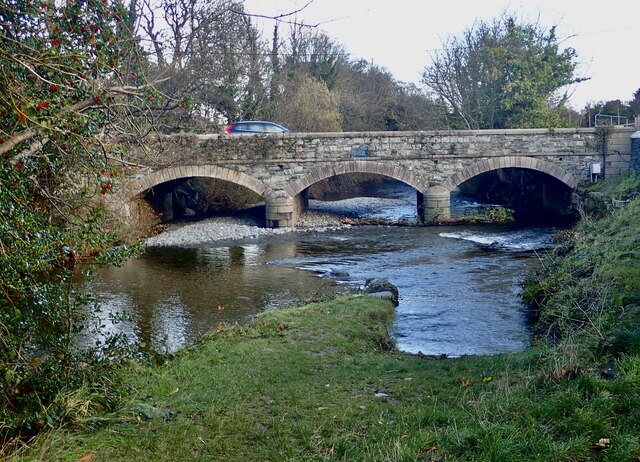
[{"x": 322, "y": 383}]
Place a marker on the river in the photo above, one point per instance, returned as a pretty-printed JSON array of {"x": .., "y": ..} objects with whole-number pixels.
[{"x": 459, "y": 286}]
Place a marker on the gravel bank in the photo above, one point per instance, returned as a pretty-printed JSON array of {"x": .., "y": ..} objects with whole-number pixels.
[
  {"x": 321, "y": 216},
  {"x": 230, "y": 228}
]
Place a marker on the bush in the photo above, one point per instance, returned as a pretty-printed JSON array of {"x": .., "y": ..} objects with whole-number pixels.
[
  {"x": 55, "y": 118},
  {"x": 590, "y": 284}
]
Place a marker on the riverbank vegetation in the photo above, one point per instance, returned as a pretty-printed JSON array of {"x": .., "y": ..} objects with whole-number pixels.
[
  {"x": 324, "y": 382},
  {"x": 72, "y": 75},
  {"x": 78, "y": 86}
]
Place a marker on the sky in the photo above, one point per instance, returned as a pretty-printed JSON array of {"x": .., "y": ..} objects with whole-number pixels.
[{"x": 400, "y": 35}]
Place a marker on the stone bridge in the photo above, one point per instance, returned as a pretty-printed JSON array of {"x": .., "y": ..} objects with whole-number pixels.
[{"x": 281, "y": 167}]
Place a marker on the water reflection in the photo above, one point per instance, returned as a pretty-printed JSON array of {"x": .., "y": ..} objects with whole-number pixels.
[
  {"x": 459, "y": 287},
  {"x": 176, "y": 295},
  {"x": 455, "y": 296}
]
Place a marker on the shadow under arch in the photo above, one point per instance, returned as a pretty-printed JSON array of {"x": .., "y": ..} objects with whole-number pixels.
[
  {"x": 398, "y": 173},
  {"x": 522, "y": 162},
  {"x": 437, "y": 198},
  {"x": 125, "y": 203}
]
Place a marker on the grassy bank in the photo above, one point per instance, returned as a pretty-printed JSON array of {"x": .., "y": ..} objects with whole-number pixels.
[{"x": 323, "y": 382}]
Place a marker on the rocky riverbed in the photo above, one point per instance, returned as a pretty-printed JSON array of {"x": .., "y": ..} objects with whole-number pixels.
[{"x": 321, "y": 216}]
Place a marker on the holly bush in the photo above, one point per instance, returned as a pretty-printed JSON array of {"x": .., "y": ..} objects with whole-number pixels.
[{"x": 72, "y": 75}]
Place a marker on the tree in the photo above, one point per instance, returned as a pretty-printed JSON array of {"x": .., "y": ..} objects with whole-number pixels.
[
  {"x": 305, "y": 52},
  {"x": 503, "y": 74},
  {"x": 370, "y": 99},
  {"x": 635, "y": 103},
  {"x": 71, "y": 77},
  {"x": 311, "y": 107},
  {"x": 216, "y": 57},
  {"x": 314, "y": 53}
]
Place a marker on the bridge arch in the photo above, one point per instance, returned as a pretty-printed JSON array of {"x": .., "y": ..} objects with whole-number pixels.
[
  {"x": 125, "y": 203},
  {"x": 355, "y": 166},
  {"x": 437, "y": 199},
  {"x": 496, "y": 163},
  {"x": 155, "y": 178}
]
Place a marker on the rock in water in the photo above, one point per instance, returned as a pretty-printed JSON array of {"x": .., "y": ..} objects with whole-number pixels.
[{"x": 382, "y": 288}]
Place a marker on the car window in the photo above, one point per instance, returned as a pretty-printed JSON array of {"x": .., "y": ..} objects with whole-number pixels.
[
  {"x": 271, "y": 128},
  {"x": 256, "y": 127}
]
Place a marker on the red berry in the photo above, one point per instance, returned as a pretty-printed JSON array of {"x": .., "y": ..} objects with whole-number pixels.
[
  {"x": 53, "y": 87},
  {"x": 42, "y": 105},
  {"x": 103, "y": 171}
]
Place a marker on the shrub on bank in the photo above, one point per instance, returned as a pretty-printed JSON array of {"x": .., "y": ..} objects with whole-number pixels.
[
  {"x": 590, "y": 284},
  {"x": 322, "y": 381}
]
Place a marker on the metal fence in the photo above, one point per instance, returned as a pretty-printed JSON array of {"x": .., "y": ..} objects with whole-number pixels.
[{"x": 617, "y": 120}]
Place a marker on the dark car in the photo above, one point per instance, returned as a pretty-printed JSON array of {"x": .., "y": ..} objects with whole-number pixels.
[{"x": 255, "y": 126}]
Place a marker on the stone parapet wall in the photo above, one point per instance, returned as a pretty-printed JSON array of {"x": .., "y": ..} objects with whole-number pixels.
[
  {"x": 277, "y": 160},
  {"x": 618, "y": 157},
  {"x": 281, "y": 167}
]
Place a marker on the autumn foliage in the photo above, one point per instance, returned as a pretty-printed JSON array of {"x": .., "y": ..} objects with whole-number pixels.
[{"x": 71, "y": 76}]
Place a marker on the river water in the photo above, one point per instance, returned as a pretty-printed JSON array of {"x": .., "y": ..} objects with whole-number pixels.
[{"x": 459, "y": 286}]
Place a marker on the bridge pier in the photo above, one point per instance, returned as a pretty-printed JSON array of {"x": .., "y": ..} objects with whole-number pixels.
[
  {"x": 283, "y": 211},
  {"x": 436, "y": 204}
]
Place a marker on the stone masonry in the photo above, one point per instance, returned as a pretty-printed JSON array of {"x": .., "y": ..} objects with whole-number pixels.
[{"x": 281, "y": 167}]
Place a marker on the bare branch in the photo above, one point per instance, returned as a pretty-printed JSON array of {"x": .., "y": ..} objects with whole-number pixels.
[
  {"x": 30, "y": 133},
  {"x": 279, "y": 17}
]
